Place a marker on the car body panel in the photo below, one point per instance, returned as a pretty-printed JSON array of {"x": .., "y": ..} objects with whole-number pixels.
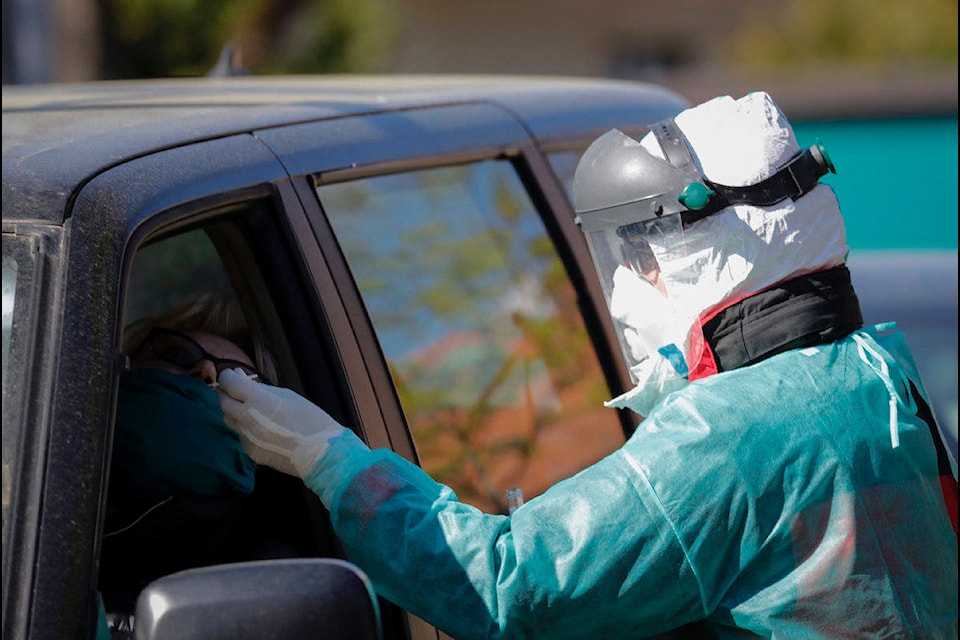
[
  {"x": 56, "y": 137},
  {"x": 82, "y": 318}
]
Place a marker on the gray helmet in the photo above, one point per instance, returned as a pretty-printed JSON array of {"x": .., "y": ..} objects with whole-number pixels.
[{"x": 618, "y": 182}]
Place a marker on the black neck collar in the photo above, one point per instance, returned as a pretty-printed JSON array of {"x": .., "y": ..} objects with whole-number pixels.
[{"x": 802, "y": 312}]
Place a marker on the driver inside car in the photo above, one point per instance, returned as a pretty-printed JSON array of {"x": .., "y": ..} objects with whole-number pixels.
[
  {"x": 788, "y": 479},
  {"x": 181, "y": 486}
]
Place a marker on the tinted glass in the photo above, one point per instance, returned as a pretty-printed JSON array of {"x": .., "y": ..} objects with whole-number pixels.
[
  {"x": 480, "y": 326},
  {"x": 9, "y": 440},
  {"x": 169, "y": 271},
  {"x": 9, "y": 298}
]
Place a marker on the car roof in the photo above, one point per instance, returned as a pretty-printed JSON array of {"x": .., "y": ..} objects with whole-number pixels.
[{"x": 57, "y": 137}]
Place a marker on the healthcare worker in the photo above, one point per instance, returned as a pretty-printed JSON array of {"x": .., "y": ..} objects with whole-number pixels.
[{"x": 785, "y": 481}]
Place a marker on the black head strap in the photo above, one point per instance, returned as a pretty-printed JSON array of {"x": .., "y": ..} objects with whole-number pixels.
[
  {"x": 674, "y": 145},
  {"x": 794, "y": 179}
]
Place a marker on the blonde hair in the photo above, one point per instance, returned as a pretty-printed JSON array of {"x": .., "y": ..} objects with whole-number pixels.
[{"x": 213, "y": 312}]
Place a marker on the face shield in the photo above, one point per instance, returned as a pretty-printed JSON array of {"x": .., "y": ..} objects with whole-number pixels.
[
  {"x": 651, "y": 325},
  {"x": 636, "y": 203}
]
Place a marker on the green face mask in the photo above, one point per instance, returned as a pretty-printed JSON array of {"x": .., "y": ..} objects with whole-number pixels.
[{"x": 171, "y": 437}]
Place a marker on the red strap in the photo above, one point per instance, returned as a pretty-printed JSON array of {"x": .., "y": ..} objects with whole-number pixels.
[
  {"x": 949, "y": 486},
  {"x": 700, "y": 358},
  {"x": 700, "y": 355}
]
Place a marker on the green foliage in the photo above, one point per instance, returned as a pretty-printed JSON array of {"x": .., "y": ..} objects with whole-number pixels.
[
  {"x": 332, "y": 36},
  {"x": 157, "y": 38},
  {"x": 863, "y": 32},
  {"x": 169, "y": 38}
]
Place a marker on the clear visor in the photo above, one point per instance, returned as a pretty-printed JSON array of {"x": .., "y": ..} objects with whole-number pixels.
[{"x": 628, "y": 260}]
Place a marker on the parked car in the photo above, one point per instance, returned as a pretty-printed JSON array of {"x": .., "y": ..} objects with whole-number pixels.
[{"x": 405, "y": 248}]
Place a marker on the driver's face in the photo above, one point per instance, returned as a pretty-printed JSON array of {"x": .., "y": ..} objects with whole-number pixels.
[{"x": 639, "y": 257}]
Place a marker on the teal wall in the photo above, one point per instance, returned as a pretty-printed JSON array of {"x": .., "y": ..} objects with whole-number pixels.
[{"x": 896, "y": 179}]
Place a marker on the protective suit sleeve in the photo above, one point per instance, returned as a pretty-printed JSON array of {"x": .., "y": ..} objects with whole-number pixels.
[
  {"x": 770, "y": 514},
  {"x": 589, "y": 558}
]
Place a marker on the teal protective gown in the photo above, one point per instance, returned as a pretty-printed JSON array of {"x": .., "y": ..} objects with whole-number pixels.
[{"x": 795, "y": 498}]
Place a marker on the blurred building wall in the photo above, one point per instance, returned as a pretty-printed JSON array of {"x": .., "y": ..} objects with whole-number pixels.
[
  {"x": 680, "y": 44},
  {"x": 610, "y": 38}
]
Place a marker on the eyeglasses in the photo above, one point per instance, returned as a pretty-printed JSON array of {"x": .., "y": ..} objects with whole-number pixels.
[{"x": 182, "y": 351}]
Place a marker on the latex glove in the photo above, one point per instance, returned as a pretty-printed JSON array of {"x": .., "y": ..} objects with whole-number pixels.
[{"x": 278, "y": 427}]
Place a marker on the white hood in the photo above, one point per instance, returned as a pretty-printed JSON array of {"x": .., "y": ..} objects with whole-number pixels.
[
  {"x": 728, "y": 255},
  {"x": 745, "y": 248}
]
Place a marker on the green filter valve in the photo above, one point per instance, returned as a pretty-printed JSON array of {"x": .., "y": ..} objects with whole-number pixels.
[{"x": 695, "y": 196}]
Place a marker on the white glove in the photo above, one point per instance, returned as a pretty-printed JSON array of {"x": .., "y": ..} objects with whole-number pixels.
[{"x": 278, "y": 428}]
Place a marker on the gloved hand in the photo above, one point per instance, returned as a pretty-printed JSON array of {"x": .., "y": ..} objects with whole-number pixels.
[{"x": 278, "y": 428}]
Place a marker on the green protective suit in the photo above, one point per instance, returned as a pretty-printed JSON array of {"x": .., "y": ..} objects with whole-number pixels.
[{"x": 794, "y": 498}]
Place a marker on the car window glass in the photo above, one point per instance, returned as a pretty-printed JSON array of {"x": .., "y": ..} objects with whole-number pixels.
[
  {"x": 166, "y": 272},
  {"x": 480, "y": 326},
  {"x": 9, "y": 298}
]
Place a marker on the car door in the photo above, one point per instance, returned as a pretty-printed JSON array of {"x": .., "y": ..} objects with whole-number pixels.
[
  {"x": 458, "y": 293},
  {"x": 198, "y": 215}
]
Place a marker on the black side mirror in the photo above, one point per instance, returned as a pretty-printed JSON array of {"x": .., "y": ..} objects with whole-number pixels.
[{"x": 292, "y": 599}]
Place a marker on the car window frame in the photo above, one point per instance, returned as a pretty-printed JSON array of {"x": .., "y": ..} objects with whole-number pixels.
[
  {"x": 321, "y": 311},
  {"x": 318, "y": 152},
  {"x": 32, "y": 385},
  {"x": 109, "y": 215},
  {"x": 470, "y": 132}
]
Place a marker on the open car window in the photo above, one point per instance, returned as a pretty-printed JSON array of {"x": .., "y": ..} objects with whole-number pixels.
[{"x": 231, "y": 258}]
